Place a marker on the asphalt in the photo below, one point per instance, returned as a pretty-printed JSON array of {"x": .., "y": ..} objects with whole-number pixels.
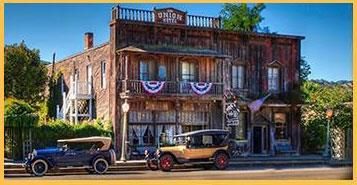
[{"x": 314, "y": 172}]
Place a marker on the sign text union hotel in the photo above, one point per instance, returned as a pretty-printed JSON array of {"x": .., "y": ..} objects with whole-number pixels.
[{"x": 178, "y": 72}]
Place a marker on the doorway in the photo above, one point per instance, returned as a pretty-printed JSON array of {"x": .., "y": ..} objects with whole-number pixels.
[{"x": 260, "y": 139}]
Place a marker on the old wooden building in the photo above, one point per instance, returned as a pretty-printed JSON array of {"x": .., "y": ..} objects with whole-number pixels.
[{"x": 176, "y": 71}]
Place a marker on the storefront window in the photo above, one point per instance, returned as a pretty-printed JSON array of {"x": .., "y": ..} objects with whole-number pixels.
[
  {"x": 141, "y": 135},
  {"x": 281, "y": 129}
]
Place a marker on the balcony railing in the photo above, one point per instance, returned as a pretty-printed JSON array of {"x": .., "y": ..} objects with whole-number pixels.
[
  {"x": 171, "y": 88},
  {"x": 130, "y": 14}
]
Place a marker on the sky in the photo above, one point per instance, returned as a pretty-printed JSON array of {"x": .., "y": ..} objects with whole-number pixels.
[{"x": 60, "y": 28}]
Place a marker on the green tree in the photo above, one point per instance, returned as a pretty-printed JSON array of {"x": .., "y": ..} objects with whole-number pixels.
[
  {"x": 240, "y": 17},
  {"x": 305, "y": 70},
  {"x": 25, "y": 75},
  {"x": 317, "y": 99}
]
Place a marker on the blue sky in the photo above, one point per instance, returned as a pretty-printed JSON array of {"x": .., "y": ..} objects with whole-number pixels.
[{"x": 60, "y": 27}]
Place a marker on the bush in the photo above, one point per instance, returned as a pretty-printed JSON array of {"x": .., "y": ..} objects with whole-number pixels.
[
  {"x": 19, "y": 113},
  {"x": 46, "y": 135}
]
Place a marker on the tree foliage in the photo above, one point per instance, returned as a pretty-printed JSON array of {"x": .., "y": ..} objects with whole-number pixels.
[
  {"x": 305, "y": 70},
  {"x": 25, "y": 75},
  {"x": 318, "y": 98},
  {"x": 19, "y": 114},
  {"x": 240, "y": 17}
]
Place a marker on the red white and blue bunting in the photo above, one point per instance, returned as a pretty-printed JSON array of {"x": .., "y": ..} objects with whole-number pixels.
[
  {"x": 152, "y": 87},
  {"x": 200, "y": 88}
]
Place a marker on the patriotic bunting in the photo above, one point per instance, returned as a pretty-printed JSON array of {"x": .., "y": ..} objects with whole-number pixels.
[
  {"x": 152, "y": 87},
  {"x": 201, "y": 88}
]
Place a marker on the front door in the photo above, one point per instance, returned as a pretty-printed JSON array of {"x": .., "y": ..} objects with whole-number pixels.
[{"x": 260, "y": 139}]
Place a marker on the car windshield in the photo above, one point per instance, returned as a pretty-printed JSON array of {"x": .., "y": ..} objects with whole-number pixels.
[
  {"x": 81, "y": 145},
  {"x": 180, "y": 140}
]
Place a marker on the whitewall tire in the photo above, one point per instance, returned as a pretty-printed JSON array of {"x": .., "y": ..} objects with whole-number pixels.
[
  {"x": 39, "y": 167},
  {"x": 100, "y": 166}
]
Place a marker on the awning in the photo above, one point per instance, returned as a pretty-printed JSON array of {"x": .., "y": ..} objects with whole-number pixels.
[{"x": 173, "y": 50}]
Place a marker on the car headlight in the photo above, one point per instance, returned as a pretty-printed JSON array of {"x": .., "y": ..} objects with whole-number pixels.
[
  {"x": 158, "y": 152},
  {"x": 34, "y": 152},
  {"x": 146, "y": 152}
]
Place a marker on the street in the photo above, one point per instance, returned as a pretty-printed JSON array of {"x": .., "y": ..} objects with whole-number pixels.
[{"x": 272, "y": 173}]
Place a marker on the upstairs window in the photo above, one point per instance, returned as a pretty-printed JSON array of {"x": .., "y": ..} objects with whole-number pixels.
[
  {"x": 162, "y": 72},
  {"x": 147, "y": 70},
  {"x": 103, "y": 69},
  {"x": 238, "y": 77},
  {"x": 188, "y": 71},
  {"x": 273, "y": 78}
]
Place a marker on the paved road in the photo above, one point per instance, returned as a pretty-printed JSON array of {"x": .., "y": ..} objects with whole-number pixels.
[{"x": 293, "y": 173}]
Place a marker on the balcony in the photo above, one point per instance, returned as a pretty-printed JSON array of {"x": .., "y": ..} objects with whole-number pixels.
[{"x": 172, "y": 89}]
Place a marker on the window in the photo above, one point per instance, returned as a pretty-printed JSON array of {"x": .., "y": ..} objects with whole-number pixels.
[
  {"x": 162, "y": 72},
  {"x": 281, "y": 129},
  {"x": 240, "y": 131},
  {"x": 147, "y": 70},
  {"x": 273, "y": 78},
  {"x": 238, "y": 76},
  {"x": 141, "y": 135},
  {"x": 188, "y": 71},
  {"x": 103, "y": 69}
]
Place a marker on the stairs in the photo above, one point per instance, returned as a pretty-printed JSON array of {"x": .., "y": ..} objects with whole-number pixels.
[{"x": 77, "y": 103}]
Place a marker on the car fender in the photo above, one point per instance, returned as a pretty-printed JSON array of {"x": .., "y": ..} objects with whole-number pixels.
[
  {"x": 219, "y": 151},
  {"x": 98, "y": 156},
  {"x": 173, "y": 156}
]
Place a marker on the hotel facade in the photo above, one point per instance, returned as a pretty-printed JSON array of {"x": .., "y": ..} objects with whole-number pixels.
[{"x": 181, "y": 72}]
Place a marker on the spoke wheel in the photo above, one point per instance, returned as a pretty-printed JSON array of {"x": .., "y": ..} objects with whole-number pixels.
[
  {"x": 221, "y": 161},
  {"x": 166, "y": 162},
  {"x": 100, "y": 166},
  {"x": 39, "y": 167}
]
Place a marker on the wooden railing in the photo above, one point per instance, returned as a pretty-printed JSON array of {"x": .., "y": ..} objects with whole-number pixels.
[
  {"x": 171, "y": 88},
  {"x": 130, "y": 14}
]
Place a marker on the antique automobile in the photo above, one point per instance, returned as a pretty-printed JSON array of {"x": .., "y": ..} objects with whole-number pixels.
[
  {"x": 95, "y": 154},
  {"x": 206, "y": 147}
]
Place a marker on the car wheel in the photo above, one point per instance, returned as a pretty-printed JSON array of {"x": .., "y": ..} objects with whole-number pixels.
[
  {"x": 166, "y": 162},
  {"x": 221, "y": 161},
  {"x": 151, "y": 166},
  {"x": 100, "y": 165},
  {"x": 39, "y": 167}
]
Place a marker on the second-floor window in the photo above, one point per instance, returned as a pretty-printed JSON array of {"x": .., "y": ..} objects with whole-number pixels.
[
  {"x": 273, "y": 78},
  {"x": 161, "y": 72},
  {"x": 103, "y": 69},
  {"x": 238, "y": 76},
  {"x": 188, "y": 71},
  {"x": 147, "y": 70}
]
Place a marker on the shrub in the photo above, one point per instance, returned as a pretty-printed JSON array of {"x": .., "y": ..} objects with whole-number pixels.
[{"x": 46, "y": 135}]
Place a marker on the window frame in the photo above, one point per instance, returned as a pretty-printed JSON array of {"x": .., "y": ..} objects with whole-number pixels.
[
  {"x": 103, "y": 74},
  {"x": 281, "y": 125},
  {"x": 192, "y": 67},
  {"x": 274, "y": 76},
  {"x": 239, "y": 78}
]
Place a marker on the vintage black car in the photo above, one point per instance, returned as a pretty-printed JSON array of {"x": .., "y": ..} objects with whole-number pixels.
[
  {"x": 209, "y": 148},
  {"x": 95, "y": 154}
]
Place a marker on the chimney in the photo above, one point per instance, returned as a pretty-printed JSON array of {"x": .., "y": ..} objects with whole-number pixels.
[{"x": 88, "y": 40}]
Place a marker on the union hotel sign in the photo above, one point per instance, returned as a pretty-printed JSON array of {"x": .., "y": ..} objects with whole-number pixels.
[{"x": 170, "y": 16}]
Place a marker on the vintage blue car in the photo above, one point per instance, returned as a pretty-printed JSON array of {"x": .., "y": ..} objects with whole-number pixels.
[{"x": 95, "y": 154}]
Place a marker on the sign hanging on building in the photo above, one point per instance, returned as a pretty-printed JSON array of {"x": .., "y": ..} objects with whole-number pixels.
[
  {"x": 170, "y": 16},
  {"x": 231, "y": 114}
]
